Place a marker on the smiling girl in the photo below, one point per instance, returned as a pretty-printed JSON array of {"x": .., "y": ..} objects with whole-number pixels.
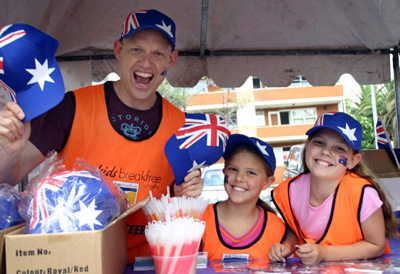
[
  {"x": 244, "y": 226},
  {"x": 336, "y": 207}
]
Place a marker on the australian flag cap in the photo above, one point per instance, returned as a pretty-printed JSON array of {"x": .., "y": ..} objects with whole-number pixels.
[
  {"x": 264, "y": 149},
  {"x": 348, "y": 127},
  {"x": 29, "y": 70},
  {"x": 199, "y": 143},
  {"x": 73, "y": 201},
  {"x": 149, "y": 19}
]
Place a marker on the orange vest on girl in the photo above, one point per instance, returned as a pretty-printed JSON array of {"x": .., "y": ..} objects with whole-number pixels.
[
  {"x": 344, "y": 225},
  {"x": 137, "y": 167},
  {"x": 273, "y": 232}
]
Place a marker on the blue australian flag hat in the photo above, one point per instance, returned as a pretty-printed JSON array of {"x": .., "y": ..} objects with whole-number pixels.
[
  {"x": 149, "y": 19},
  {"x": 348, "y": 127},
  {"x": 73, "y": 201},
  {"x": 199, "y": 143},
  {"x": 29, "y": 70}
]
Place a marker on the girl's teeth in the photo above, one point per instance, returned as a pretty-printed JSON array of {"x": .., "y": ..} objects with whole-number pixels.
[
  {"x": 323, "y": 163},
  {"x": 238, "y": 188}
]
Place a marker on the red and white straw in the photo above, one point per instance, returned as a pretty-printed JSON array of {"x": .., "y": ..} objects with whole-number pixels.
[
  {"x": 169, "y": 207},
  {"x": 176, "y": 237}
]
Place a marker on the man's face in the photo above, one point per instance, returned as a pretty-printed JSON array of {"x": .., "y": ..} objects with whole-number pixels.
[{"x": 143, "y": 58}]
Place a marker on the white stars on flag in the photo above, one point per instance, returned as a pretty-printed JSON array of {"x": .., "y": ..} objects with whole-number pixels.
[
  {"x": 197, "y": 166},
  {"x": 41, "y": 74},
  {"x": 166, "y": 28},
  {"x": 349, "y": 132},
  {"x": 88, "y": 214},
  {"x": 262, "y": 148}
]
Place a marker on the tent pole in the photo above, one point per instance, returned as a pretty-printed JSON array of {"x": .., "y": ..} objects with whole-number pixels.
[
  {"x": 395, "y": 58},
  {"x": 204, "y": 22}
]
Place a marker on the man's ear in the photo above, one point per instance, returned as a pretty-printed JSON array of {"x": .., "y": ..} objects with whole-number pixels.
[
  {"x": 270, "y": 180},
  {"x": 173, "y": 58},
  {"x": 118, "y": 49}
]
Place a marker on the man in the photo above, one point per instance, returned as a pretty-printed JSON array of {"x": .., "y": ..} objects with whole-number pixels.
[{"x": 121, "y": 127}]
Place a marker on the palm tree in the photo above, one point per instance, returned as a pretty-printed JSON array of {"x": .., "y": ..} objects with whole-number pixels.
[
  {"x": 389, "y": 117},
  {"x": 386, "y": 107}
]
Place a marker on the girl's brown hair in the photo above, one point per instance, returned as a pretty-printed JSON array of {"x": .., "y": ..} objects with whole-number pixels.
[
  {"x": 251, "y": 149},
  {"x": 363, "y": 171}
]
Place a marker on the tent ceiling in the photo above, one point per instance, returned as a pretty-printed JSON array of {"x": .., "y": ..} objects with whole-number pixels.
[{"x": 229, "y": 40}]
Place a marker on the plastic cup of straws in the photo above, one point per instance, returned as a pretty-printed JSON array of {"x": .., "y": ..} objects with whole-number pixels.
[{"x": 177, "y": 264}]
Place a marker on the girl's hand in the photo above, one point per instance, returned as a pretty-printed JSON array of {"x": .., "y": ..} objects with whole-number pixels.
[
  {"x": 310, "y": 254},
  {"x": 278, "y": 253},
  {"x": 192, "y": 185}
]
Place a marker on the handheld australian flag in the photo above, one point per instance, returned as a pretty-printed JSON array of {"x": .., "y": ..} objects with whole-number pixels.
[
  {"x": 29, "y": 71},
  {"x": 383, "y": 142},
  {"x": 199, "y": 143}
]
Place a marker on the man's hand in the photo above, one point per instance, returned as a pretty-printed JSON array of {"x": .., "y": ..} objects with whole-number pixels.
[
  {"x": 14, "y": 134},
  {"x": 192, "y": 185}
]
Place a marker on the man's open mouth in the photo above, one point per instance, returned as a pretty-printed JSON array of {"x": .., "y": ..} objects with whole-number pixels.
[{"x": 142, "y": 78}]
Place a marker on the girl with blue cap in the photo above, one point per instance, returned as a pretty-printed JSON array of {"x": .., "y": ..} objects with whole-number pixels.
[
  {"x": 244, "y": 226},
  {"x": 336, "y": 207}
]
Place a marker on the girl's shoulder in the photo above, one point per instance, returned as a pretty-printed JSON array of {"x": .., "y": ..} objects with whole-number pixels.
[
  {"x": 209, "y": 212},
  {"x": 351, "y": 179}
]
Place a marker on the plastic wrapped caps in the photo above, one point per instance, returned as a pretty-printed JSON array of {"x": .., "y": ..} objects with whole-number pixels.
[
  {"x": 9, "y": 203},
  {"x": 73, "y": 201}
]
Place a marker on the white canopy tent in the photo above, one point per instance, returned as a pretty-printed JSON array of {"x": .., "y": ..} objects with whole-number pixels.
[{"x": 229, "y": 40}]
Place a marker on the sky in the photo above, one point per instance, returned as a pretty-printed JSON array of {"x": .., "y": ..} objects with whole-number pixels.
[{"x": 350, "y": 86}]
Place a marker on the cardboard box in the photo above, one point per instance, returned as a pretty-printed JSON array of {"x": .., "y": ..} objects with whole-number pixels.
[
  {"x": 99, "y": 252},
  {"x": 2, "y": 247},
  {"x": 379, "y": 162},
  {"x": 387, "y": 172}
]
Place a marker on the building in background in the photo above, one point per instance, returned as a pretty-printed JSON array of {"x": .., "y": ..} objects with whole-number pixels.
[{"x": 279, "y": 116}]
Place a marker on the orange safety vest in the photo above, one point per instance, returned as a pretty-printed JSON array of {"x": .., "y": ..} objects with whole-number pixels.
[
  {"x": 139, "y": 166},
  {"x": 344, "y": 225},
  {"x": 273, "y": 232}
]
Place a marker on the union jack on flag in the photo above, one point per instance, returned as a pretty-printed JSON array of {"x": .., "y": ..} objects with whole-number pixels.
[
  {"x": 44, "y": 195},
  {"x": 132, "y": 22},
  {"x": 200, "y": 142},
  {"x": 1, "y": 65},
  {"x": 7, "y": 39},
  {"x": 383, "y": 142},
  {"x": 212, "y": 127},
  {"x": 381, "y": 137},
  {"x": 11, "y": 37},
  {"x": 320, "y": 119},
  {"x": 11, "y": 92}
]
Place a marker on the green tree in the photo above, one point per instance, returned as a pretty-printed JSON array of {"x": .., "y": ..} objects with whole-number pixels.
[
  {"x": 177, "y": 96},
  {"x": 389, "y": 117},
  {"x": 362, "y": 110}
]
